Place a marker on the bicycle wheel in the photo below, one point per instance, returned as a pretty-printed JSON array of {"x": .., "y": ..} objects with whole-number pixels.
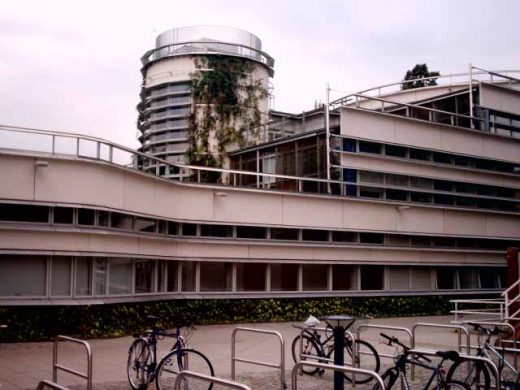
[
  {"x": 310, "y": 347},
  {"x": 139, "y": 359},
  {"x": 367, "y": 358},
  {"x": 180, "y": 360},
  {"x": 473, "y": 374},
  {"x": 389, "y": 378}
]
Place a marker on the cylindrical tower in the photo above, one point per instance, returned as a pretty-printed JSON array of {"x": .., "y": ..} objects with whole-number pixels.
[{"x": 204, "y": 93}]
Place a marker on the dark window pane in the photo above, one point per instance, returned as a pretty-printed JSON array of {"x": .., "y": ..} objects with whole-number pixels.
[
  {"x": 344, "y": 277},
  {"x": 395, "y": 151},
  {"x": 121, "y": 221},
  {"x": 216, "y": 231},
  {"x": 442, "y": 158},
  {"x": 396, "y": 194},
  {"x": 251, "y": 232},
  {"x": 173, "y": 228},
  {"x": 315, "y": 235},
  {"x": 215, "y": 276},
  {"x": 284, "y": 234},
  {"x": 372, "y": 277},
  {"x": 369, "y": 147},
  {"x": 344, "y": 236},
  {"x": 86, "y": 217},
  {"x": 349, "y": 145},
  {"x": 23, "y": 213},
  {"x": 446, "y": 278},
  {"x": 251, "y": 277},
  {"x": 189, "y": 229},
  {"x": 371, "y": 238},
  {"x": 284, "y": 277},
  {"x": 314, "y": 277},
  {"x": 419, "y": 154},
  {"x": 63, "y": 215}
]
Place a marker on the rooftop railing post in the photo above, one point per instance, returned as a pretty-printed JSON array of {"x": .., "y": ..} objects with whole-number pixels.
[
  {"x": 471, "y": 95},
  {"x": 53, "y": 146},
  {"x": 77, "y": 147},
  {"x": 327, "y": 134}
]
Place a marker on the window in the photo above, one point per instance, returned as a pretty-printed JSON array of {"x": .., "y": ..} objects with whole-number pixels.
[
  {"x": 120, "y": 276},
  {"x": 64, "y": 215},
  {"x": 83, "y": 276},
  {"x": 314, "y": 277},
  {"x": 60, "y": 276},
  {"x": 315, "y": 235},
  {"x": 468, "y": 278},
  {"x": 371, "y": 192},
  {"x": 86, "y": 217},
  {"x": 188, "y": 275},
  {"x": 142, "y": 224},
  {"x": 100, "y": 272},
  {"x": 31, "y": 282},
  {"x": 284, "y": 277},
  {"x": 173, "y": 228},
  {"x": 23, "y": 213},
  {"x": 372, "y": 277},
  {"x": 251, "y": 232},
  {"x": 102, "y": 218},
  {"x": 251, "y": 276},
  {"x": 369, "y": 147},
  {"x": 370, "y": 177},
  {"x": 284, "y": 234},
  {"x": 189, "y": 229},
  {"x": 216, "y": 231},
  {"x": 349, "y": 145},
  {"x": 488, "y": 278},
  {"x": 344, "y": 277},
  {"x": 396, "y": 194},
  {"x": 216, "y": 276},
  {"x": 371, "y": 238},
  {"x": 446, "y": 278},
  {"x": 395, "y": 151},
  {"x": 344, "y": 236},
  {"x": 399, "y": 278},
  {"x": 121, "y": 221},
  {"x": 419, "y": 154},
  {"x": 144, "y": 276}
]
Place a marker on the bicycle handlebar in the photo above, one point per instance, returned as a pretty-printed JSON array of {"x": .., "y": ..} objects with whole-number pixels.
[
  {"x": 490, "y": 332},
  {"x": 395, "y": 340}
]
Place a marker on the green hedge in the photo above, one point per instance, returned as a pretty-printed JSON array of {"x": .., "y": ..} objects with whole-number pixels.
[{"x": 96, "y": 321}]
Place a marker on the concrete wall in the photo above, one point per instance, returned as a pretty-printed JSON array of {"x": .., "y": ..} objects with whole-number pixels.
[
  {"x": 90, "y": 183},
  {"x": 500, "y": 98},
  {"x": 412, "y": 132}
]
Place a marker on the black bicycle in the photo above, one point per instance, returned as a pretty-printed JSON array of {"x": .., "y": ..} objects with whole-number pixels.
[
  {"x": 404, "y": 358},
  {"x": 321, "y": 348},
  {"x": 143, "y": 368}
]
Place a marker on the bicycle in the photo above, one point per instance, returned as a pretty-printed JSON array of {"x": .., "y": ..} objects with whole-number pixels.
[
  {"x": 143, "y": 367},
  {"x": 404, "y": 358},
  {"x": 322, "y": 349},
  {"x": 477, "y": 375}
]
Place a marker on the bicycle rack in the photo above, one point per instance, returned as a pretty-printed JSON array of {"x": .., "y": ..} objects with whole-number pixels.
[
  {"x": 460, "y": 329},
  {"x": 48, "y": 384},
  {"x": 397, "y": 328},
  {"x": 56, "y": 366},
  {"x": 298, "y": 367},
  {"x": 467, "y": 358},
  {"x": 235, "y": 359},
  {"x": 208, "y": 379}
]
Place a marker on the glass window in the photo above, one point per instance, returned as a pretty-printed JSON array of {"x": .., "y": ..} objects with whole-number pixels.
[
  {"x": 314, "y": 277},
  {"x": 216, "y": 276},
  {"x": 397, "y": 180},
  {"x": 446, "y": 278},
  {"x": 284, "y": 277},
  {"x": 31, "y": 282},
  {"x": 251, "y": 276},
  {"x": 144, "y": 276},
  {"x": 122, "y": 221},
  {"x": 64, "y": 215},
  {"x": 396, "y": 194},
  {"x": 399, "y": 278},
  {"x": 83, "y": 276},
  {"x": 23, "y": 213},
  {"x": 86, "y": 217},
  {"x": 371, "y": 238},
  {"x": 172, "y": 270},
  {"x": 142, "y": 224},
  {"x": 284, "y": 234},
  {"x": 371, "y": 192},
  {"x": 315, "y": 235},
  {"x": 344, "y": 236},
  {"x": 60, "y": 276},
  {"x": 188, "y": 275},
  {"x": 216, "y": 231},
  {"x": 251, "y": 232},
  {"x": 372, "y": 277},
  {"x": 173, "y": 228},
  {"x": 395, "y": 151},
  {"x": 369, "y": 147},
  {"x": 102, "y": 218},
  {"x": 120, "y": 276},
  {"x": 344, "y": 277},
  {"x": 468, "y": 278},
  {"x": 189, "y": 229},
  {"x": 488, "y": 278},
  {"x": 419, "y": 154}
]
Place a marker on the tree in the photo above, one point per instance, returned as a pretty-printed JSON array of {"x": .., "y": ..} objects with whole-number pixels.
[{"x": 418, "y": 72}]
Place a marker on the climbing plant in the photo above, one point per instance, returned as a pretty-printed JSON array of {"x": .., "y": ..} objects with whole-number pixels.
[{"x": 225, "y": 100}]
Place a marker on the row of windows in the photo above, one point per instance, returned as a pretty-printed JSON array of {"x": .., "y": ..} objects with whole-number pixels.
[
  {"x": 358, "y": 146},
  {"x": 126, "y": 222},
  {"x": 65, "y": 276},
  {"x": 172, "y": 124},
  {"x": 165, "y": 89},
  {"x": 443, "y": 192},
  {"x": 169, "y": 112}
]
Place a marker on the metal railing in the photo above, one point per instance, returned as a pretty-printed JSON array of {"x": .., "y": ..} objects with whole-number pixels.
[
  {"x": 508, "y": 302},
  {"x": 459, "y": 328},
  {"x": 183, "y": 375},
  {"x": 56, "y": 366},
  {"x": 481, "y": 311},
  {"x": 298, "y": 367},
  {"x": 446, "y": 80},
  {"x": 234, "y": 358}
]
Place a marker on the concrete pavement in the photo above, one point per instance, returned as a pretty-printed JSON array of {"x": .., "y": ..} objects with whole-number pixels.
[{"x": 23, "y": 365}]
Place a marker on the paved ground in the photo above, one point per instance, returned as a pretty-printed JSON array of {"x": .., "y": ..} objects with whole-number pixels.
[{"x": 23, "y": 365}]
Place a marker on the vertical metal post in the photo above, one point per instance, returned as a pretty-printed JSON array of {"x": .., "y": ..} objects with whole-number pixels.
[
  {"x": 53, "y": 144},
  {"x": 327, "y": 135},
  {"x": 471, "y": 95},
  {"x": 339, "y": 346}
]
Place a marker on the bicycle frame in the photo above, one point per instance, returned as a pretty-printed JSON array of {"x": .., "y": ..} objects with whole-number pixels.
[
  {"x": 485, "y": 349},
  {"x": 400, "y": 367}
]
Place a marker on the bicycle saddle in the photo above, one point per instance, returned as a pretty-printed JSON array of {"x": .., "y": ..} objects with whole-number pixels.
[
  {"x": 152, "y": 320},
  {"x": 448, "y": 355}
]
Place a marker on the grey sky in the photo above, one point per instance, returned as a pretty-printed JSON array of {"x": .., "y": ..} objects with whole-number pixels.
[{"x": 74, "y": 65}]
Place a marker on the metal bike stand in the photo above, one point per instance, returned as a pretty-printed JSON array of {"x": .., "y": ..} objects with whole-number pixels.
[
  {"x": 208, "y": 379},
  {"x": 468, "y": 358},
  {"x": 56, "y": 366},
  {"x": 460, "y": 329},
  {"x": 340, "y": 369},
  {"x": 235, "y": 359},
  {"x": 342, "y": 322}
]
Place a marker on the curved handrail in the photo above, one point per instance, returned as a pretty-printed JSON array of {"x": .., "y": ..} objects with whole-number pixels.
[{"x": 378, "y": 89}]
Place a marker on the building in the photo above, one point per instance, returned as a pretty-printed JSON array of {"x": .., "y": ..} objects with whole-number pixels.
[{"x": 383, "y": 192}]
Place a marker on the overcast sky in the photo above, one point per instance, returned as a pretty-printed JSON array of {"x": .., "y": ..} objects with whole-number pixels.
[{"x": 74, "y": 65}]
